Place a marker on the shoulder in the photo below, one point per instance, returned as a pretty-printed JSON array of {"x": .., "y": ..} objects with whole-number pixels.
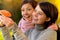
[
  {"x": 48, "y": 34},
  {"x": 21, "y": 20},
  {"x": 50, "y": 31}
]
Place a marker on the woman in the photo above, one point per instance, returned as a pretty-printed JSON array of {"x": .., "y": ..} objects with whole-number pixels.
[{"x": 44, "y": 15}]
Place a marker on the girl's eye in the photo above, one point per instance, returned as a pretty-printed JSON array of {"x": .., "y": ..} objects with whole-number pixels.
[
  {"x": 29, "y": 9},
  {"x": 0, "y": 14},
  {"x": 22, "y": 10}
]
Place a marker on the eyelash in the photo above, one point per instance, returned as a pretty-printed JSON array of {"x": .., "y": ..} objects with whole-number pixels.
[
  {"x": 0, "y": 14},
  {"x": 27, "y": 9},
  {"x": 39, "y": 13},
  {"x": 22, "y": 10}
]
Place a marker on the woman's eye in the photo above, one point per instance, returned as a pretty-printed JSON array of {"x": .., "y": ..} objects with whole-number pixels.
[{"x": 39, "y": 13}]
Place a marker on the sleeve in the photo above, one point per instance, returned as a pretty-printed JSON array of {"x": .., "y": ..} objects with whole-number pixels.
[
  {"x": 6, "y": 34},
  {"x": 18, "y": 34}
]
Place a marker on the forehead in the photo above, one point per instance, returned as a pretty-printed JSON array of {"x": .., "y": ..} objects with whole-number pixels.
[
  {"x": 38, "y": 9},
  {"x": 27, "y": 5}
]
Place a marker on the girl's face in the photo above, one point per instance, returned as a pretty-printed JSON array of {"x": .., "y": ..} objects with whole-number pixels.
[
  {"x": 39, "y": 16},
  {"x": 27, "y": 11}
]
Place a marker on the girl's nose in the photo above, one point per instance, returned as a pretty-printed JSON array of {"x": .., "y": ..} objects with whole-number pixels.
[
  {"x": 25, "y": 12},
  {"x": 34, "y": 14}
]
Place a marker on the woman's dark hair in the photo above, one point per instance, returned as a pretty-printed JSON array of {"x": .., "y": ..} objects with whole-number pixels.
[
  {"x": 51, "y": 12},
  {"x": 32, "y": 2}
]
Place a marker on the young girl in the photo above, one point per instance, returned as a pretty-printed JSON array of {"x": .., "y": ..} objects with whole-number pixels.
[{"x": 27, "y": 8}]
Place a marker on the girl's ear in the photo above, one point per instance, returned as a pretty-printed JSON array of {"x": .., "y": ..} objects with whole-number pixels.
[{"x": 48, "y": 19}]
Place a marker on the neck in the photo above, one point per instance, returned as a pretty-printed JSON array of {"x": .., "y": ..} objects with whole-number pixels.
[{"x": 39, "y": 27}]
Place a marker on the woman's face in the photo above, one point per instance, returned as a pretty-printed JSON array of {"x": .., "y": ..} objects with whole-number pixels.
[
  {"x": 27, "y": 11},
  {"x": 39, "y": 16}
]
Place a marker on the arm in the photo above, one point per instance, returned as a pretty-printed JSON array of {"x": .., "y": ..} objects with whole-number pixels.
[
  {"x": 5, "y": 31},
  {"x": 10, "y": 24},
  {"x": 18, "y": 34}
]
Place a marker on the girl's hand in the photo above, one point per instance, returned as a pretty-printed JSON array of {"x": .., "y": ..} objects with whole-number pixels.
[
  {"x": 53, "y": 26},
  {"x": 1, "y": 23},
  {"x": 6, "y": 21}
]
